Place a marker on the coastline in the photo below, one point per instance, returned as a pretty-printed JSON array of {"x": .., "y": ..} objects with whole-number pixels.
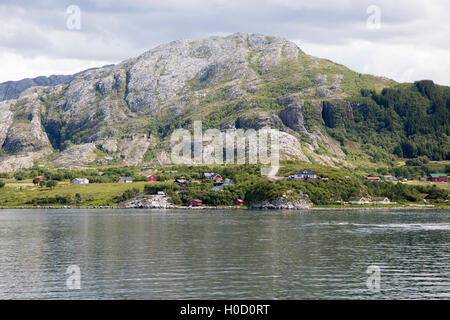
[{"x": 316, "y": 208}]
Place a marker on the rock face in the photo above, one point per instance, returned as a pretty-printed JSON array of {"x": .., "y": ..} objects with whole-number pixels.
[
  {"x": 12, "y": 89},
  {"x": 129, "y": 110},
  {"x": 282, "y": 204},
  {"x": 148, "y": 202}
]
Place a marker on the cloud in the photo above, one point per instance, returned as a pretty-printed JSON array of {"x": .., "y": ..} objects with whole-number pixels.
[{"x": 411, "y": 43}]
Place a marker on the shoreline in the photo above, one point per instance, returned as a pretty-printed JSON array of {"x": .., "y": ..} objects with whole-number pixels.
[{"x": 317, "y": 208}]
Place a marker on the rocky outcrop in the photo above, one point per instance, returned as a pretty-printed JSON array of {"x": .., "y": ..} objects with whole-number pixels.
[
  {"x": 76, "y": 156},
  {"x": 282, "y": 204},
  {"x": 148, "y": 202}
]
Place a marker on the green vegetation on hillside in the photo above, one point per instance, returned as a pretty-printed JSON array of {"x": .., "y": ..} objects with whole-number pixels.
[
  {"x": 246, "y": 183},
  {"x": 407, "y": 121}
]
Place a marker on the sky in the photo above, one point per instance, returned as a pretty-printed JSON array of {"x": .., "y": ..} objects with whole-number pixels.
[{"x": 402, "y": 40}]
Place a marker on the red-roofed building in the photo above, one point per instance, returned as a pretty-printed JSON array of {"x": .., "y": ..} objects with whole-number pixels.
[
  {"x": 438, "y": 177},
  {"x": 40, "y": 178},
  {"x": 376, "y": 179},
  {"x": 196, "y": 203},
  {"x": 151, "y": 178},
  {"x": 238, "y": 202}
]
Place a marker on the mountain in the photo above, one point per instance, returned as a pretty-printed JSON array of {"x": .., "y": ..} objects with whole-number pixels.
[
  {"x": 124, "y": 113},
  {"x": 12, "y": 89}
]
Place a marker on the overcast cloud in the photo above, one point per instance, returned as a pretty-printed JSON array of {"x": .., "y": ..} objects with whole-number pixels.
[{"x": 411, "y": 44}]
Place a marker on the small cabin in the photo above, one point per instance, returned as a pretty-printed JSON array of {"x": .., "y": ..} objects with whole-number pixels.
[
  {"x": 359, "y": 201},
  {"x": 305, "y": 175},
  {"x": 125, "y": 180},
  {"x": 213, "y": 176},
  {"x": 151, "y": 178},
  {"x": 381, "y": 200},
  {"x": 238, "y": 202},
  {"x": 40, "y": 178},
  {"x": 101, "y": 173},
  {"x": 195, "y": 203},
  {"x": 438, "y": 177},
  {"x": 373, "y": 179},
  {"x": 80, "y": 181},
  {"x": 181, "y": 182}
]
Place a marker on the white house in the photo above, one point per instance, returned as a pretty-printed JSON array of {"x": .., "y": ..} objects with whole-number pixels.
[
  {"x": 125, "y": 180},
  {"x": 359, "y": 201},
  {"x": 80, "y": 181},
  {"x": 381, "y": 200}
]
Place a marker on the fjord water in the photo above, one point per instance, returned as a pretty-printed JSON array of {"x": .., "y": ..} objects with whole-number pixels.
[{"x": 139, "y": 254}]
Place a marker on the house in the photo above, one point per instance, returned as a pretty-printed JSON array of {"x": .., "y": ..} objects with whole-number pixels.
[
  {"x": 161, "y": 193},
  {"x": 305, "y": 175},
  {"x": 213, "y": 176},
  {"x": 373, "y": 179},
  {"x": 146, "y": 169},
  {"x": 390, "y": 178},
  {"x": 438, "y": 177},
  {"x": 359, "y": 201},
  {"x": 101, "y": 173},
  {"x": 217, "y": 188},
  {"x": 151, "y": 178},
  {"x": 195, "y": 203},
  {"x": 181, "y": 182},
  {"x": 381, "y": 200},
  {"x": 125, "y": 180},
  {"x": 80, "y": 181},
  {"x": 238, "y": 202},
  {"x": 40, "y": 178}
]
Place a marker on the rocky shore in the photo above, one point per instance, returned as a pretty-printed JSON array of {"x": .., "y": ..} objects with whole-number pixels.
[
  {"x": 148, "y": 202},
  {"x": 282, "y": 204}
]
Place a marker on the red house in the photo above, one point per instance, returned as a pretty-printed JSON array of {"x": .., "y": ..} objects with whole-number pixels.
[
  {"x": 238, "y": 202},
  {"x": 196, "y": 203},
  {"x": 376, "y": 179},
  {"x": 151, "y": 178},
  {"x": 438, "y": 177},
  {"x": 40, "y": 178}
]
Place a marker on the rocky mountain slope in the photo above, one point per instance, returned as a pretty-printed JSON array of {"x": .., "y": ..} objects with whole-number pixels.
[
  {"x": 124, "y": 114},
  {"x": 12, "y": 89}
]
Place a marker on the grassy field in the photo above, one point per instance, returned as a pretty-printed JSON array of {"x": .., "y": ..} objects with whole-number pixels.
[
  {"x": 18, "y": 193},
  {"x": 442, "y": 185}
]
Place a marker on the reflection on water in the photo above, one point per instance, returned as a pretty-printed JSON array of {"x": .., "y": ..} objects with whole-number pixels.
[{"x": 137, "y": 254}]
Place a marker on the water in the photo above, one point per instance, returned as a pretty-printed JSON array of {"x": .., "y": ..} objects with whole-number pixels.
[{"x": 137, "y": 254}]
